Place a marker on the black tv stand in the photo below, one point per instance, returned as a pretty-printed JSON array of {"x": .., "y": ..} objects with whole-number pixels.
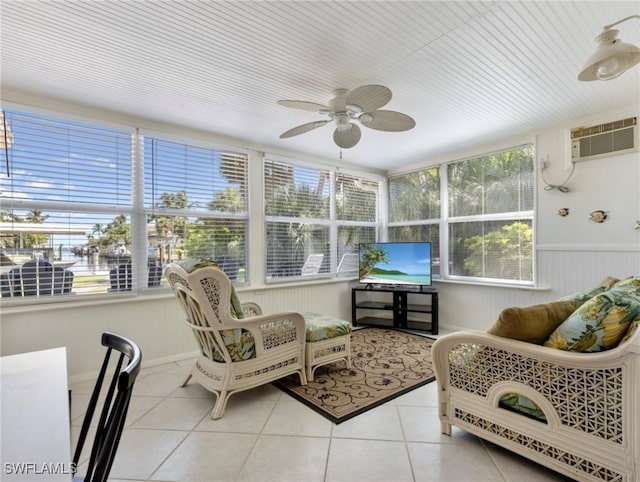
[{"x": 407, "y": 313}]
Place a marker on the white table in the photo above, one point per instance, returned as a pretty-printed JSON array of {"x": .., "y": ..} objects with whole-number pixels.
[{"x": 34, "y": 417}]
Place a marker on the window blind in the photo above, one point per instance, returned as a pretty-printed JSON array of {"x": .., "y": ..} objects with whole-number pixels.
[
  {"x": 297, "y": 206},
  {"x": 196, "y": 203},
  {"x": 414, "y": 202},
  {"x": 65, "y": 204},
  {"x": 490, "y": 224},
  {"x": 357, "y": 213}
]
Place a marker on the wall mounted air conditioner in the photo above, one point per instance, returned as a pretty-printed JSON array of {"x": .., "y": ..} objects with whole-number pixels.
[{"x": 608, "y": 139}]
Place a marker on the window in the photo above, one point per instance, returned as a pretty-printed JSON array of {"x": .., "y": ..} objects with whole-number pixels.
[
  {"x": 315, "y": 219},
  {"x": 485, "y": 221},
  {"x": 66, "y": 200},
  {"x": 196, "y": 204},
  {"x": 414, "y": 214},
  {"x": 490, "y": 216},
  {"x": 297, "y": 219},
  {"x": 89, "y": 209},
  {"x": 357, "y": 218}
]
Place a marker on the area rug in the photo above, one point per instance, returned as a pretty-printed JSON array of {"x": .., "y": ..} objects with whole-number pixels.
[{"x": 386, "y": 363}]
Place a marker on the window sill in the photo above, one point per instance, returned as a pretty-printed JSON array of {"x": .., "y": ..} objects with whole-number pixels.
[{"x": 493, "y": 285}]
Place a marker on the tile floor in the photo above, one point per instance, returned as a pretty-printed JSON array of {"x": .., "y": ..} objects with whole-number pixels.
[{"x": 265, "y": 435}]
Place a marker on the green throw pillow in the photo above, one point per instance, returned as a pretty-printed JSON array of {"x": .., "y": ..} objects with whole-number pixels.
[
  {"x": 606, "y": 284},
  {"x": 533, "y": 323},
  {"x": 600, "y": 323}
]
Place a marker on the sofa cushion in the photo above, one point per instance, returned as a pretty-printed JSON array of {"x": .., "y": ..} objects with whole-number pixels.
[
  {"x": 606, "y": 284},
  {"x": 521, "y": 404},
  {"x": 533, "y": 323},
  {"x": 600, "y": 323}
]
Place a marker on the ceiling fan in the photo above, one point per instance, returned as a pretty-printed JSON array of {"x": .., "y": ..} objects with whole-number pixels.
[{"x": 347, "y": 109}]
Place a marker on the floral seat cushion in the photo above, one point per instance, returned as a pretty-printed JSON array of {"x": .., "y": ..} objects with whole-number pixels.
[{"x": 323, "y": 327}]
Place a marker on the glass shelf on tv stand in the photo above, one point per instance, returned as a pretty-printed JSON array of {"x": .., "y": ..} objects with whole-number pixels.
[{"x": 414, "y": 315}]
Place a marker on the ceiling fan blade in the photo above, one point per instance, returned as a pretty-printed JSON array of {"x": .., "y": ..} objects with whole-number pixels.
[
  {"x": 303, "y": 128},
  {"x": 347, "y": 137},
  {"x": 387, "y": 120},
  {"x": 368, "y": 98},
  {"x": 304, "y": 105}
]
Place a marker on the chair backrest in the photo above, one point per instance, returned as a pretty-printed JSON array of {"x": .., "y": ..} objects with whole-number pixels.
[
  {"x": 229, "y": 266},
  {"x": 349, "y": 263},
  {"x": 120, "y": 277},
  {"x": 207, "y": 290},
  {"x": 312, "y": 264},
  {"x": 114, "y": 410},
  {"x": 205, "y": 297},
  {"x": 36, "y": 278}
]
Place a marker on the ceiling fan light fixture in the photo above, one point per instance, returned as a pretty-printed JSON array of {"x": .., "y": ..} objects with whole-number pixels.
[
  {"x": 365, "y": 119},
  {"x": 342, "y": 120},
  {"x": 348, "y": 109},
  {"x": 611, "y": 57}
]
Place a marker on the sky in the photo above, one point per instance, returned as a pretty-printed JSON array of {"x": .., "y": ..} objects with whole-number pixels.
[{"x": 411, "y": 258}]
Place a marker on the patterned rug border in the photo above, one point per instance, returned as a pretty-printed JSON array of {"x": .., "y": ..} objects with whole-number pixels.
[{"x": 339, "y": 419}]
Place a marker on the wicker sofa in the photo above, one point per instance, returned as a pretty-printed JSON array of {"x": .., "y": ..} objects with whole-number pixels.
[{"x": 590, "y": 402}]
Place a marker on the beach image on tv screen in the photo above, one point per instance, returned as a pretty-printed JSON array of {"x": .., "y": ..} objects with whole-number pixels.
[{"x": 395, "y": 263}]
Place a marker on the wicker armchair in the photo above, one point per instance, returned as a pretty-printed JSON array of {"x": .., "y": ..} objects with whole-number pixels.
[{"x": 237, "y": 354}]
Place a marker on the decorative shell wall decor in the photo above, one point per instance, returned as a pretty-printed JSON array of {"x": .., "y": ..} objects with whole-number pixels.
[
  {"x": 563, "y": 212},
  {"x": 598, "y": 216}
]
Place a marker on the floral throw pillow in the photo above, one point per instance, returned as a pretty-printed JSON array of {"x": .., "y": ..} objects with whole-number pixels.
[{"x": 600, "y": 323}]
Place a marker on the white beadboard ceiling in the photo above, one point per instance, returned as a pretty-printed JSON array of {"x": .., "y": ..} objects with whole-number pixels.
[{"x": 469, "y": 73}]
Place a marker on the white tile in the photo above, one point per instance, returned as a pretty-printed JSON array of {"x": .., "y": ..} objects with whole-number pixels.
[
  {"x": 422, "y": 424},
  {"x": 380, "y": 423},
  {"x": 172, "y": 367},
  {"x": 284, "y": 458},
  {"x": 192, "y": 390},
  {"x": 142, "y": 451},
  {"x": 263, "y": 392},
  {"x": 206, "y": 457},
  {"x": 176, "y": 414},
  {"x": 291, "y": 417},
  {"x": 158, "y": 384},
  {"x": 433, "y": 462},
  {"x": 140, "y": 406},
  {"x": 240, "y": 416},
  {"x": 520, "y": 469},
  {"x": 368, "y": 460},
  {"x": 425, "y": 396}
]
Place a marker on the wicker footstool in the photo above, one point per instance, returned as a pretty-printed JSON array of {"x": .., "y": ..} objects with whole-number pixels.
[{"x": 328, "y": 340}]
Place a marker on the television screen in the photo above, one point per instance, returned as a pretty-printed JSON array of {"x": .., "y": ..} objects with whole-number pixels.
[{"x": 403, "y": 263}]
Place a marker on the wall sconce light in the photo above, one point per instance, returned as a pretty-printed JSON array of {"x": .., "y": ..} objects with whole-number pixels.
[{"x": 611, "y": 57}]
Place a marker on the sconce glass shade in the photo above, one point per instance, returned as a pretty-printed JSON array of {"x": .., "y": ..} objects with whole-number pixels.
[{"x": 610, "y": 59}]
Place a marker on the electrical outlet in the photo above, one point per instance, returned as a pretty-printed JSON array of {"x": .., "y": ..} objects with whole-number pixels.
[{"x": 543, "y": 164}]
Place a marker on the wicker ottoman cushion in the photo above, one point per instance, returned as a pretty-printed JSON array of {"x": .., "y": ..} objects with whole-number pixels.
[{"x": 323, "y": 327}]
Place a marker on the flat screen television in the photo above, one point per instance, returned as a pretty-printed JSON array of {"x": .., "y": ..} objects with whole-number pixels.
[{"x": 401, "y": 263}]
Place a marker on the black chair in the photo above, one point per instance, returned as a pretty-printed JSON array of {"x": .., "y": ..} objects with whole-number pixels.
[
  {"x": 114, "y": 410},
  {"x": 36, "y": 278},
  {"x": 120, "y": 278},
  {"x": 229, "y": 266}
]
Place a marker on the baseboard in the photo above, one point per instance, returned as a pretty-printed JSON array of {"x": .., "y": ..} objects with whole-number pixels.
[{"x": 83, "y": 377}]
